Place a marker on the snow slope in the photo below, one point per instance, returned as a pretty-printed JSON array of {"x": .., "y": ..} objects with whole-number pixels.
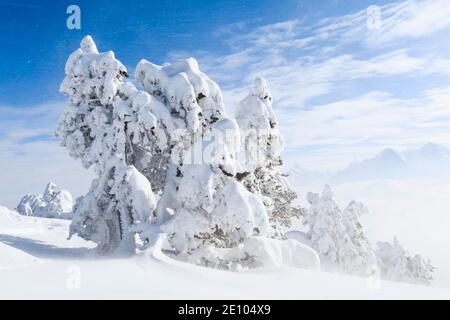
[{"x": 36, "y": 261}]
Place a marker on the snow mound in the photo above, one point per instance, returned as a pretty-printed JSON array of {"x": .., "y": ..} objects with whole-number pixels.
[
  {"x": 7, "y": 216},
  {"x": 54, "y": 203}
]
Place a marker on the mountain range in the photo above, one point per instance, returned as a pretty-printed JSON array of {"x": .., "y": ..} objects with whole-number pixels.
[{"x": 428, "y": 161}]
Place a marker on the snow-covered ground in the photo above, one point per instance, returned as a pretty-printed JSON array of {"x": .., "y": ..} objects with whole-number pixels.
[{"x": 37, "y": 261}]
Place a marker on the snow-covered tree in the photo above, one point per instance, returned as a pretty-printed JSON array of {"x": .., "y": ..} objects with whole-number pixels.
[
  {"x": 107, "y": 124},
  {"x": 398, "y": 265},
  {"x": 261, "y": 140},
  {"x": 53, "y": 203},
  {"x": 259, "y": 157},
  {"x": 203, "y": 206},
  {"x": 133, "y": 137},
  {"x": 363, "y": 254},
  {"x": 338, "y": 236}
]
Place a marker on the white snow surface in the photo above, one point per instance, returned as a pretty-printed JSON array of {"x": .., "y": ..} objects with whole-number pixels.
[{"x": 36, "y": 263}]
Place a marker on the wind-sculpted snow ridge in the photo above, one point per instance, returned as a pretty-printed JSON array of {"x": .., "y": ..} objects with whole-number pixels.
[
  {"x": 167, "y": 161},
  {"x": 270, "y": 252},
  {"x": 340, "y": 240},
  {"x": 54, "y": 203}
]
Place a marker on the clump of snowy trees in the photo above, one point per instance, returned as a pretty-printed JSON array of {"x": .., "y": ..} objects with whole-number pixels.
[
  {"x": 337, "y": 235},
  {"x": 53, "y": 203},
  {"x": 340, "y": 240},
  {"x": 170, "y": 160},
  {"x": 175, "y": 171}
]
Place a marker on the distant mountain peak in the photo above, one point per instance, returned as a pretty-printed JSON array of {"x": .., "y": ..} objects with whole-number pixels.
[
  {"x": 388, "y": 154},
  {"x": 427, "y": 151},
  {"x": 433, "y": 148},
  {"x": 386, "y": 164},
  {"x": 431, "y": 160}
]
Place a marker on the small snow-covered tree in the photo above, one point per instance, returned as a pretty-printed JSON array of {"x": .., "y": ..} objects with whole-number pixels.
[
  {"x": 53, "y": 203},
  {"x": 106, "y": 125},
  {"x": 398, "y": 265},
  {"x": 338, "y": 236},
  {"x": 260, "y": 155},
  {"x": 363, "y": 256},
  {"x": 261, "y": 140}
]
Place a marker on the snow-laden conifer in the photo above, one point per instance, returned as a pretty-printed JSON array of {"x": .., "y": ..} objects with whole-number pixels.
[
  {"x": 397, "y": 264},
  {"x": 107, "y": 124},
  {"x": 338, "y": 236},
  {"x": 259, "y": 156}
]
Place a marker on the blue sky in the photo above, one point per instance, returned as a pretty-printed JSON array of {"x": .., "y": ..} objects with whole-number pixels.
[
  {"x": 37, "y": 41},
  {"x": 343, "y": 91}
]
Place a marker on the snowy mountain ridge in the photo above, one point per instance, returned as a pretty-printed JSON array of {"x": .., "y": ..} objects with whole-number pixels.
[
  {"x": 429, "y": 161},
  {"x": 386, "y": 164}
]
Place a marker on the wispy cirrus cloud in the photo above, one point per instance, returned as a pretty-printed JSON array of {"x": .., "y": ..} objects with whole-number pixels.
[
  {"x": 400, "y": 20},
  {"x": 414, "y": 19}
]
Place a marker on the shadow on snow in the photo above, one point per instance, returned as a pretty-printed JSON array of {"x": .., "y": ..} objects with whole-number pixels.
[{"x": 41, "y": 249}]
